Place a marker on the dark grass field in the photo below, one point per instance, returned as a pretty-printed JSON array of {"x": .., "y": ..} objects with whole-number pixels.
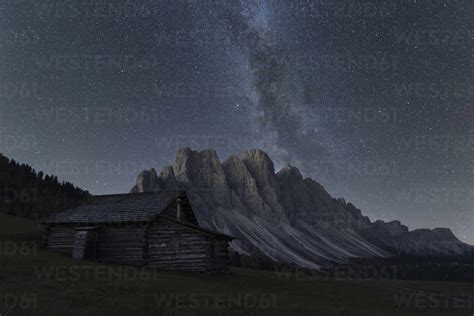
[{"x": 37, "y": 282}]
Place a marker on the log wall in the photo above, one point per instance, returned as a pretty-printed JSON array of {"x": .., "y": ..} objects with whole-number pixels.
[
  {"x": 60, "y": 239},
  {"x": 121, "y": 244},
  {"x": 220, "y": 255},
  {"x": 172, "y": 246},
  {"x": 163, "y": 244}
]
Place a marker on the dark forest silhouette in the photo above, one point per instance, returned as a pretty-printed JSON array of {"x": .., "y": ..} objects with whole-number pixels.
[{"x": 27, "y": 193}]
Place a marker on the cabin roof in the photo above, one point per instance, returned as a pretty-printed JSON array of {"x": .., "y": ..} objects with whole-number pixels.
[
  {"x": 123, "y": 208},
  {"x": 117, "y": 208}
]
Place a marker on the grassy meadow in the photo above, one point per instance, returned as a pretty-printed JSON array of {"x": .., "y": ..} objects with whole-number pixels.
[{"x": 36, "y": 282}]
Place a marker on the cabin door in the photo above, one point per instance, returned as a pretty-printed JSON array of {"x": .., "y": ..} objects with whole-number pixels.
[{"x": 84, "y": 244}]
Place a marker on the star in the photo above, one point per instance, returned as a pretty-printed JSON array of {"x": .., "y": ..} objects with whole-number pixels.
[{"x": 340, "y": 98}]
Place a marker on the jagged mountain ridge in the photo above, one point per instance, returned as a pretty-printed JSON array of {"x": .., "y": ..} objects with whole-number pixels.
[{"x": 284, "y": 216}]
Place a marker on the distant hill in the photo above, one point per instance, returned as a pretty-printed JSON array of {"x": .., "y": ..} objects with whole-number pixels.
[
  {"x": 27, "y": 193},
  {"x": 286, "y": 217}
]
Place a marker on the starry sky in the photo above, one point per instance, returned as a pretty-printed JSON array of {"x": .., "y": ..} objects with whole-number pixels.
[{"x": 373, "y": 99}]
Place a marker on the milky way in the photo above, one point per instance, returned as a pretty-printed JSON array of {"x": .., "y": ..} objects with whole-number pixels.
[
  {"x": 277, "y": 86},
  {"x": 371, "y": 98}
]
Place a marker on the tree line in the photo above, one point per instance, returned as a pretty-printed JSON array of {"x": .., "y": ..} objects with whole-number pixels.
[{"x": 27, "y": 193}]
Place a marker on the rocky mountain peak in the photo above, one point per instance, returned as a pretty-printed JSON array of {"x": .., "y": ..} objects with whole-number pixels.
[
  {"x": 258, "y": 160},
  {"x": 289, "y": 171},
  {"x": 168, "y": 179},
  {"x": 261, "y": 168},
  {"x": 283, "y": 215},
  {"x": 444, "y": 232},
  {"x": 434, "y": 234},
  {"x": 393, "y": 228},
  {"x": 146, "y": 181},
  {"x": 199, "y": 168}
]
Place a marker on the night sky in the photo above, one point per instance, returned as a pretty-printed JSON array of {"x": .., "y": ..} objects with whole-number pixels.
[{"x": 373, "y": 99}]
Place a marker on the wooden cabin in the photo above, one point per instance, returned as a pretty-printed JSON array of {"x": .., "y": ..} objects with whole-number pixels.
[{"x": 156, "y": 229}]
